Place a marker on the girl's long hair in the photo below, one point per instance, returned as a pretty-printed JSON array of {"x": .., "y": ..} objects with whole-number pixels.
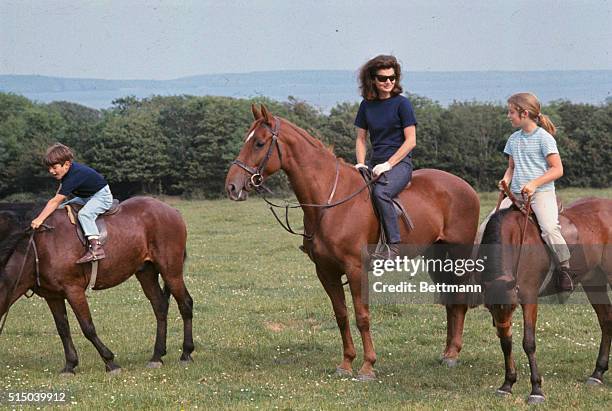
[{"x": 528, "y": 102}]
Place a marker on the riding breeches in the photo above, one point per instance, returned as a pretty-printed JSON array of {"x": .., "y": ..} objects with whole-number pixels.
[
  {"x": 544, "y": 206},
  {"x": 390, "y": 184}
]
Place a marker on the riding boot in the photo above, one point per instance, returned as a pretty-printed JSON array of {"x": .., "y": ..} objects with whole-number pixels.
[
  {"x": 565, "y": 279},
  {"x": 389, "y": 252},
  {"x": 94, "y": 253}
]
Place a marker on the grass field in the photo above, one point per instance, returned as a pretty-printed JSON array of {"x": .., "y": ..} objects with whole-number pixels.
[{"x": 266, "y": 337}]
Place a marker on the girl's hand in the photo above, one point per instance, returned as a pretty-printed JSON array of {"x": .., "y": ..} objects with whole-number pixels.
[
  {"x": 499, "y": 184},
  {"x": 528, "y": 189}
]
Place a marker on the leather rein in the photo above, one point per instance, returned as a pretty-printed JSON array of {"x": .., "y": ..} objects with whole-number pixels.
[
  {"x": 257, "y": 181},
  {"x": 525, "y": 208}
]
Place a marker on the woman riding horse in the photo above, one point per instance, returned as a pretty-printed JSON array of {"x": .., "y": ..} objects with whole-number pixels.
[{"x": 445, "y": 208}]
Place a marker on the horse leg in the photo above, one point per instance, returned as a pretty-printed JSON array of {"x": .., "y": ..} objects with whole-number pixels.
[
  {"x": 58, "y": 309},
  {"x": 530, "y": 316},
  {"x": 362, "y": 316},
  {"x": 502, "y": 316},
  {"x": 600, "y": 301},
  {"x": 78, "y": 302},
  {"x": 333, "y": 287},
  {"x": 455, "y": 307},
  {"x": 148, "y": 279},
  {"x": 173, "y": 279},
  {"x": 455, "y": 318}
]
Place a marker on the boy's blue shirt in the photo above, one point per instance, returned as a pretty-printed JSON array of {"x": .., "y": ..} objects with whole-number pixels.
[{"x": 81, "y": 181}]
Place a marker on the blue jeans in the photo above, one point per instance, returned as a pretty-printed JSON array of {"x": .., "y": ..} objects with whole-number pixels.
[
  {"x": 386, "y": 188},
  {"x": 92, "y": 207}
]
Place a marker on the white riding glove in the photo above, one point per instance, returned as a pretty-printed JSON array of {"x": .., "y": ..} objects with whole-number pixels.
[
  {"x": 360, "y": 165},
  {"x": 381, "y": 168}
]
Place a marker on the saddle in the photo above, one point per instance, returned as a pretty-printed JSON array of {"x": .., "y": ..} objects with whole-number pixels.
[
  {"x": 400, "y": 211},
  {"x": 569, "y": 231},
  {"x": 72, "y": 209}
]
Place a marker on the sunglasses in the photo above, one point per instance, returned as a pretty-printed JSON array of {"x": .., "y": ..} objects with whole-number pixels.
[{"x": 383, "y": 79}]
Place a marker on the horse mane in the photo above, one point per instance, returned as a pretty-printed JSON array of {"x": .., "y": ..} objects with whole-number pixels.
[
  {"x": 21, "y": 212},
  {"x": 9, "y": 245},
  {"x": 313, "y": 141},
  {"x": 492, "y": 236},
  {"x": 19, "y": 216},
  {"x": 492, "y": 233}
]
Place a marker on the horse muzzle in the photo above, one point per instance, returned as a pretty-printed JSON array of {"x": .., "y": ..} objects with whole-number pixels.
[{"x": 236, "y": 192}]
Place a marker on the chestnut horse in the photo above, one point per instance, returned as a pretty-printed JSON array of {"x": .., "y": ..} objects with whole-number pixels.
[
  {"x": 444, "y": 208},
  {"x": 587, "y": 227},
  {"x": 146, "y": 237}
]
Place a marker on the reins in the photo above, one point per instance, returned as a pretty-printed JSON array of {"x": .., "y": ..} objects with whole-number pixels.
[
  {"x": 524, "y": 208},
  {"x": 257, "y": 180}
]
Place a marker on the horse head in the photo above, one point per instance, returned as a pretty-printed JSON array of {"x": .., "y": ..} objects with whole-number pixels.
[
  {"x": 16, "y": 276},
  {"x": 259, "y": 157}
]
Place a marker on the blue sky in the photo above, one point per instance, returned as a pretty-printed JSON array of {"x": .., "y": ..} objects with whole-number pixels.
[{"x": 170, "y": 39}]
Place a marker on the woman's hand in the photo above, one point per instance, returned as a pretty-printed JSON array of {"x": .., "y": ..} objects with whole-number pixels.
[
  {"x": 381, "y": 168},
  {"x": 360, "y": 165}
]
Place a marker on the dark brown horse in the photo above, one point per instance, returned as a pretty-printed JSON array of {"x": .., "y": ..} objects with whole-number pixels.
[
  {"x": 444, "y": 208},
  {"x": 146, "y": 237},
  {"x": 587, "y": 227}
]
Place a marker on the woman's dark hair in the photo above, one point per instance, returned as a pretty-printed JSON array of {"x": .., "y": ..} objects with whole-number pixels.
[{"x": 368, "y": 71}]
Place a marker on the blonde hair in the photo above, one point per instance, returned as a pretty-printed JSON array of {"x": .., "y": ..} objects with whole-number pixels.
[{"x": 528, "y": 102}]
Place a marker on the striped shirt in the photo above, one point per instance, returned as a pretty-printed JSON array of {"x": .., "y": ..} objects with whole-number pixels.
[{"x": 529, "y": 152}]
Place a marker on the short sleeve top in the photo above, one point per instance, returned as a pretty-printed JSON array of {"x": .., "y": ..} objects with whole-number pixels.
[
  {"x": 529, "y": 152},
  {"x": 385, "y": 121}
]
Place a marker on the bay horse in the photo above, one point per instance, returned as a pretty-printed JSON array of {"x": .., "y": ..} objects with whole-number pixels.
[
  {"x": 513, "y": 279},
  {"x": 444, "y": 207},
  {"x": 146, "y": 237}
]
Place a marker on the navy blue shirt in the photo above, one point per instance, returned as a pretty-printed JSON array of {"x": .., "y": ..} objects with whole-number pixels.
[
  {"x": 385, "y": 121},
  {"x": 82, "y": 181}
]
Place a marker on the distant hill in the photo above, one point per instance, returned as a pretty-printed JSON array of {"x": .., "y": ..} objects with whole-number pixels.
[{"x": 321, "y": 88}]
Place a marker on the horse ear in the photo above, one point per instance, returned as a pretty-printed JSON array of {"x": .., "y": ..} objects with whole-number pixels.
[
  {"x": 268, "y": 117},
  {"x": 256, "y": 113}
]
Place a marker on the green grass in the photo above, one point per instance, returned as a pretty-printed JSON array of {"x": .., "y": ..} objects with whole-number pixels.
[{"x": 266, "y": 337}]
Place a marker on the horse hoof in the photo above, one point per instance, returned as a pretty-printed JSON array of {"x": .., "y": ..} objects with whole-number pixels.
[
  {"x": 115, "y": 371},
  {"x": 366, "y": 377},
  {"x": 343, "y": 372},
  {"x": 449, "y": 362},
  {"x": 594, "y": 382},
  {"x": 155, "y": 364},
  {"x": 186, "y": 359},
  {"x": 535, "y": 399},
  {"x": 502, "y": 393},
  {"x": 67, "y": 374}
]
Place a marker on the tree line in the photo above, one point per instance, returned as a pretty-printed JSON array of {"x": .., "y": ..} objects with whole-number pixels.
[{"x": 183, "y": 145}]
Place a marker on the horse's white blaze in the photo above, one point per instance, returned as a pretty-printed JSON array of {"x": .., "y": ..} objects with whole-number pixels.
[{"x": 249, "y": 136}]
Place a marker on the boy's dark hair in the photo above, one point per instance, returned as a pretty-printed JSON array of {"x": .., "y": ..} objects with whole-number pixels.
[{"x": 58, "y": 154}]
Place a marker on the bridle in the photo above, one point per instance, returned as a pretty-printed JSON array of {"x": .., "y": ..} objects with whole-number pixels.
[
  {"x": 257, "y": 181},
  {"x": 257, "y": 178},
  {"x": 32, "y": 245}
]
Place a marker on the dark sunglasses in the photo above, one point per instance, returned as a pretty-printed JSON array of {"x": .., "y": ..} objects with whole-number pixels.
[{"x": 383, "y": 79}]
